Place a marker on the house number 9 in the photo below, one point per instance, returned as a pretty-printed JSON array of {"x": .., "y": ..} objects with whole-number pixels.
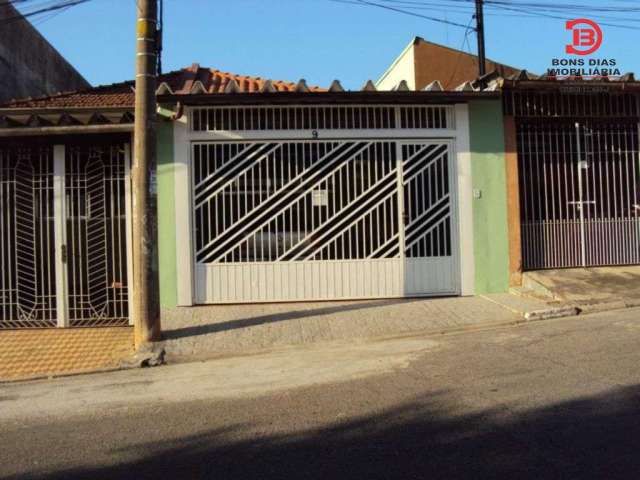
[{"x": 314, "y": 133}]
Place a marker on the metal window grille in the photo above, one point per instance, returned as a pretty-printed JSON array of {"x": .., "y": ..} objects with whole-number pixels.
[
  {"x": 262, "y": 118},
  {"x": 284, "y": 201},
  {"x": 294, "y": 201},
  {"x": 570, "y": 103},
  {"x": 96, "y": 235},
  {"x": 432, "y": 117},
  {"x": 27, "y": 269}
]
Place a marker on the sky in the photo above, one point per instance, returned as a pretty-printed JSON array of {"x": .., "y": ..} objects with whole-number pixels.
[{"x": 318, "y": 40}]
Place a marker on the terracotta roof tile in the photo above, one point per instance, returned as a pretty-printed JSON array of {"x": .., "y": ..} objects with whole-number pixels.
[{"x": 184, "y": 81}]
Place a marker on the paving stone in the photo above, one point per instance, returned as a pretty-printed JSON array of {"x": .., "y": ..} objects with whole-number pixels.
[
  {"x": 48, "y": 352},
  {"x": 207, "y": 331}
]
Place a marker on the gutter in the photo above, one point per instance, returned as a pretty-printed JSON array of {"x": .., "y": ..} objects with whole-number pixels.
[
  {"x": 311, "y": 98},
  {"x": 66, "y": 130},
  {"x": 563, "y": 84},
  {"x": 61, "y": 110}
]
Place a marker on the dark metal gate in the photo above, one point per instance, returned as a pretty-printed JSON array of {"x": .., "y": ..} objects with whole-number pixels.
[{"x": 579, "y": 193}]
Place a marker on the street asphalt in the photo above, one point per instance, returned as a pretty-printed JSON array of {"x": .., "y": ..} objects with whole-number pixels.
[{"x": 550, "y": 399}]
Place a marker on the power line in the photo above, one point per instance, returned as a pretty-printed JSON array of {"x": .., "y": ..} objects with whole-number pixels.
[
  {"x": 465, "y": 40},
  {"x": 547, "y": 15},
  {"x": 46, "y": 18},
  {"x": 406, "y": 12},
  {"x": 52, "y": 7},
  {"x": 526, "y": 9}
]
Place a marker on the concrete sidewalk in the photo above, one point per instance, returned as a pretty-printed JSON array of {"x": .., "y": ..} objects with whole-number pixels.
[
  {"x": 588, "y": 289},
  {"x": 209, "y": 331}
]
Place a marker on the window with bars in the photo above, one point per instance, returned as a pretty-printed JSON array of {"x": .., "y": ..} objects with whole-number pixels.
[
  {"x": 580, "y": 102},
  {"x": 321, "y": 118}
]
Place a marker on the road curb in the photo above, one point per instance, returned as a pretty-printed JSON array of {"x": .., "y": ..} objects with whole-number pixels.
[
  {"x": 580, "y": 309},
  {"x": 549, "y": 313},
  {"x": 602, "y": 307},
  {"x": 632, "y": 303}
]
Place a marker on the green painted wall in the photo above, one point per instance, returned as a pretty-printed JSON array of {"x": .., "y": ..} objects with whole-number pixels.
[
  {"x": 488, "y": 170},
  {"x": 166, "y": 217}
]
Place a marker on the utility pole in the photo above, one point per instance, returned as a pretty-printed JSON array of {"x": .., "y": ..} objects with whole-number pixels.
[
  {"x": 144, "y": 291},
  {"x": 480, "y": 30}
]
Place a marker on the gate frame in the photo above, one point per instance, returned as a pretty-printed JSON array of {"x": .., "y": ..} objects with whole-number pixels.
[
  {"x": 530, "y": 97},
  {"x": 59, "y": 203},
  {"x": 458, "y": 138},
  {"x": 584, "y": 242}
]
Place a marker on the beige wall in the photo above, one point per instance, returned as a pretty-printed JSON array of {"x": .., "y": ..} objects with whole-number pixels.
[
  {"x": 451, "y": 67},
  {"x": 422, "y": 63}
]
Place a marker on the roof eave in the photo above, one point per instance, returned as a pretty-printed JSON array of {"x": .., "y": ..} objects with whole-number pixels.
[
  {"x": 284, "y": 98},
  {"x": 60, "y": 110},
  {"x": 564, "y": 83},
  {"x": 66, "y": 130}
]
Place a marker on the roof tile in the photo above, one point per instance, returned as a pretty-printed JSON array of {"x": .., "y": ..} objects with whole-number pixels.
[{"x": 179, "y": 81}]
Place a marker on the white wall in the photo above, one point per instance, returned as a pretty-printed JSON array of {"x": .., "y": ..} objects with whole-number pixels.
[{"x": 403, "y": 68}]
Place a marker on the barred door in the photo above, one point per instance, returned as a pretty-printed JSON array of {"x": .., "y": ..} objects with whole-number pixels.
[
  {"x": 610, "y": 181},
  {"x": 27, "y": 267},
  {"x": 580, "y": 193},
  {"x": 305, "y": 220},
  {"x": 63, "y": 242},
  {"x": 95, "y": 235}
]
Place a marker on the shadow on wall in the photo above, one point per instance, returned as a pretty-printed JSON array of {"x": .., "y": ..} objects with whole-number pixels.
[{"x": 585, "y": 438}]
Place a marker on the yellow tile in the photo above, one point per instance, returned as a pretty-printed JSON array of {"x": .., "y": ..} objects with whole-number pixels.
[{"x": 29, "y": 353}]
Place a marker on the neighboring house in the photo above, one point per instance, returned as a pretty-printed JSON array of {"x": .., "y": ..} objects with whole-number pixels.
[
  {"x": 267, "y": 191},
  {"x": 573, "y": 171},
  {"x": 572, "y": 153},
  {"x": 29, "y": 65},
  {"x": 423, "y": 62}
]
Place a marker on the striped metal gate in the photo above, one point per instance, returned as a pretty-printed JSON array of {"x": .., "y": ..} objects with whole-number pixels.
[
  {"x": 63, "y": 236},
  {"x": 313, "y": 220},
  {"x": 579, "y": 192}
]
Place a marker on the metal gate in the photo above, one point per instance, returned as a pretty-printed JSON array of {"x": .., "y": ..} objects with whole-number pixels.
[
  {"x": 305, "y": 220},
  {"x": 27, "y": 267},
  {"x": 63, "y": 236},
  {"x": 579, "y": 191}
]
